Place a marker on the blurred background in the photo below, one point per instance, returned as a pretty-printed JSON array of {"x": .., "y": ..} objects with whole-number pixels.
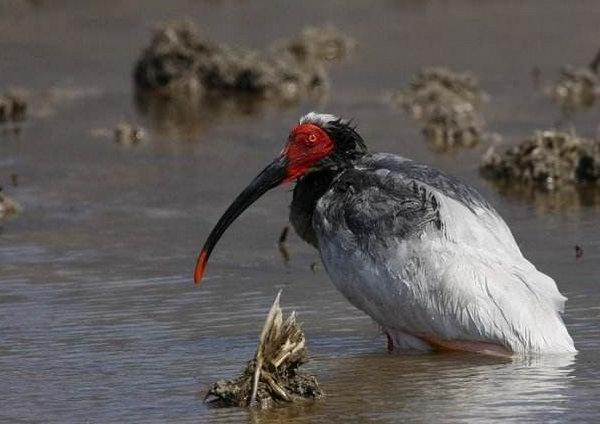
[{"x": 127, "y": 127}]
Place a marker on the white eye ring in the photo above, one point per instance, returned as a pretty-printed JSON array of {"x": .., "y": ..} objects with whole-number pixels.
[{"x": 312, "y": 138}]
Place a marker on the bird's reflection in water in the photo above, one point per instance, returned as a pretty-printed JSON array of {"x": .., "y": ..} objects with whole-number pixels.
[{"x": 434, "y": 387}]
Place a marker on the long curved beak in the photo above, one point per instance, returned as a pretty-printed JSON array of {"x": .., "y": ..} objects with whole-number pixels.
[{"x": 270, "y": 177}]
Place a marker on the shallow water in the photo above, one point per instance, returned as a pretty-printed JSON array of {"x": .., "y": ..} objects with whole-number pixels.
[{"x": 99, "y": 320}]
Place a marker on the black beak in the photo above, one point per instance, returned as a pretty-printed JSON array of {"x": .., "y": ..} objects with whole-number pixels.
[{"x": 269, "y": 178}]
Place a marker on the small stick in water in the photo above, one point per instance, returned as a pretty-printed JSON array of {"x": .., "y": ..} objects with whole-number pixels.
[{"x": 285, "y": 254}]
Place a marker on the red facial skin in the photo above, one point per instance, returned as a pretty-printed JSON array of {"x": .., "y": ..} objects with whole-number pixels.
[{"x": 307, "y": 145}]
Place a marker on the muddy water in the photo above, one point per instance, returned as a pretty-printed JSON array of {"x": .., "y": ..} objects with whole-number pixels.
[{"x": 99, "y": 320}]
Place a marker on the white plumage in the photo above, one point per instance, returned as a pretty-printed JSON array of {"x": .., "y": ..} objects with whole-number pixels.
[
  {"x": 467, "y": 281},
  {"x": 426, "y": 256}
]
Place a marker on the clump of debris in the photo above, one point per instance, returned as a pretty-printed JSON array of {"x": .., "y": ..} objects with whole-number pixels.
[
  {"x": 549, "y": 159},
  {"x": 447, "y": 104},
  {"x": 8, "y": 207},
  {"x": 324, "y": 43},
  {"x": 13, "y": 107},
  {"x": 180, "y": 61},
  {"x": 272, "y": 376},
  {"x": 124, "y": 133},
  {"x": 128, "y": 134},
  {"x": 577, "y": 88}
]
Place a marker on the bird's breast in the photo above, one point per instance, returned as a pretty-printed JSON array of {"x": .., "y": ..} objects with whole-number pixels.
[{"x": 307, "y": 193}]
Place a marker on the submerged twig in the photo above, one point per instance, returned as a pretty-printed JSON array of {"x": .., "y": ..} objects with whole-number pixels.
[{"x": 285, "y": 253}]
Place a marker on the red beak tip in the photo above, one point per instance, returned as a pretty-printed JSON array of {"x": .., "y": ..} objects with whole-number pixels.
[{"x": 200, "y": 266}]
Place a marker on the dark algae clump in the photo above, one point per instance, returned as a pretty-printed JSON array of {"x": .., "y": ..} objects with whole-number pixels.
[
  {"x": 447, "y": 104},
  {"x": 179, "y": 60},
  {"x": 577, "y": 88},
  {"x": 273, "y": 375},
  {"x": 549, "y": 159}
]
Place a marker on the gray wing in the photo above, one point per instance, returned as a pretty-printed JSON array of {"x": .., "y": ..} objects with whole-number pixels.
[
  {"x": 373, "y": 205},
  {"x": 414, "y": 171},
  {"x": 386, "y": 198},
  {"x": 420, "y": 251}
]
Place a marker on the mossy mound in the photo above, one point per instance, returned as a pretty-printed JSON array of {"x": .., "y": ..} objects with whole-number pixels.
[
  {"x": 447, "y": 104},
  {"x": 548, "y": 159},
  {"x": 179, "y": 60},
  {"x": 576, "y": 88}
]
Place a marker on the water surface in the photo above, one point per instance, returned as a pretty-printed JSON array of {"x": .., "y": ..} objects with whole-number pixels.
[{"x": 99, "y": 320}]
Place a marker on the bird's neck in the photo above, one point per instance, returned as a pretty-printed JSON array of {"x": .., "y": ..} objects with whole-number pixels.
[
  {"x": 307, "y": 193},
  {"x": 315, "y": 184}
]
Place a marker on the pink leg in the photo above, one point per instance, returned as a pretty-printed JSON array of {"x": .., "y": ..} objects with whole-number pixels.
[{"x": 484, "y": 348}]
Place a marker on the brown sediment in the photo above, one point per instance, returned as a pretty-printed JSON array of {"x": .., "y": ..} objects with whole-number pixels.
[
  {"x": 447, "y": 104},
  {"x": 548, "y": 159},
  {"x": 272, "y": 376},
  {"x": 577, "y": 88}
]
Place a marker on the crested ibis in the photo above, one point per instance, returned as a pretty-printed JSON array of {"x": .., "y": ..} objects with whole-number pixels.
[{"x": 423, "y": 254}]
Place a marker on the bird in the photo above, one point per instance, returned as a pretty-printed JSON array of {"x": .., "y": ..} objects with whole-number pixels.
[{"x": 425, "y": 255}]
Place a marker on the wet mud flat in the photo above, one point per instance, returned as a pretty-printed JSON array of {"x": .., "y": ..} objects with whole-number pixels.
[{"x": 100, "y": 322}]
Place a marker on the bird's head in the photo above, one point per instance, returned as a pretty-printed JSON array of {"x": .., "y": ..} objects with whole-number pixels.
[{"x": 317, "y": 141}]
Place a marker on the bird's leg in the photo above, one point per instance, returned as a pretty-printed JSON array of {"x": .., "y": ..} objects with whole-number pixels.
[
  {"x": 483, "y": 348},
  {"x": 390, "y": 342}
]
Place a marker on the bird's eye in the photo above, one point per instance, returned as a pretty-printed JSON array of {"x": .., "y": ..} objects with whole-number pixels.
[{"x": 312, "y": 138}]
